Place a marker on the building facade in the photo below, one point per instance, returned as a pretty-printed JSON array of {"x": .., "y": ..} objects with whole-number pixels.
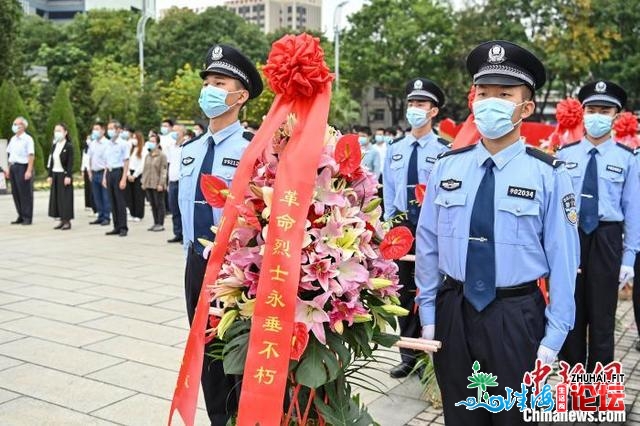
[
  {"x": 271, "y": 15},
  {"x": 65, "y": 10}
]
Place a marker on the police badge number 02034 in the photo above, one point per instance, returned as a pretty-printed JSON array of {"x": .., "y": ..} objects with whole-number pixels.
[{"x": 569, "y": 206}]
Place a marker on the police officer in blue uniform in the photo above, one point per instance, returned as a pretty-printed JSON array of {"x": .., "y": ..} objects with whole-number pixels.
[
  {"x": 408, "y": 162},
  {"x": 606, "y": 176},
  {"x": 497, "y": 216},
  {"x": 230, "y": 79}
]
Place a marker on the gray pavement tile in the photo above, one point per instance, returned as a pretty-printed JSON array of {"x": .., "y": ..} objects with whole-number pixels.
[
  {"x": 60, "y": 388},
  {"x": 404, "y": 409},
  {"x": 143, "y": 410},
  {"x": 180, "y": 322},
  {"x": 132, "y": 310},
  {"x": 52, "y": 294},
  {"x": 142, "y": 330},
  {"x": 26, "y": 411},
  {"x": 8, "y": 336},
  {"x": 52, "y": 282},
  {"x": 57, "y": 356},
  {"x": 142, "y": 378},
  {"x": 54, "y": 311},
  {"x": 6, "y": 298},
  {"x": 169, "y": 290},
  {"x": 55, "y": 331},
  {"x": 55, "y": 271},
  {"x": 130, "y": 283},
  {"x": 143, "y": 352},
  {"x": 127, "y": 295},
  {"x": 6, "y": 362},
  {"x": 5, "y": 396},
  {"x": 175, "y": 304},
  {"x": 9, "y": 315}
]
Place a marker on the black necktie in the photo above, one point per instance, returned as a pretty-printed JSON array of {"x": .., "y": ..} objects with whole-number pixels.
[
  {"x": 589, "y": 202},
  {"x": 413, "y": 209},
  {"x": 480, "y": 282},
  {"x": 202, "y": 213}
]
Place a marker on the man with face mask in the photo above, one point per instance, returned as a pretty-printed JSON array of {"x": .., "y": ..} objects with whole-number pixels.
[
  {"x": 496, "y": 217},
  {"x": 21, "y": 151},
  {"x": 370, "y": 157},
  {"x": 605, "y": 174},
  {"x": 408, "y": 162},
  {"x": 230, "y": 79},
  {"x": 97, "y": 166}
]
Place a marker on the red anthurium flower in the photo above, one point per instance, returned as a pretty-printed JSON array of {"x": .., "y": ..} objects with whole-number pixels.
[
  {"x": 213, "y": 323},
  {"x": 214, "y": 189},
  {"x": 299, "y": 340},
  {"x": 396, "y": 243},
  {"x": 421, "y": 188},
  {"x": 348, "y": 154}
]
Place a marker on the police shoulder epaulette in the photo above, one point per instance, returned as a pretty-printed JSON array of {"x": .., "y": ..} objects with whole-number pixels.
[
  {"x": 627, "y": 148},
  {"x": 192, "y": 140},
  {"x": 568, "y": 145},
  {"x": 444, "y": 142},
  {"x": 247, "y": 135},
  {"x": 544, "y": 157},
  {"x": 457, "y": 151},
  {"x": 396, "y": 140}
]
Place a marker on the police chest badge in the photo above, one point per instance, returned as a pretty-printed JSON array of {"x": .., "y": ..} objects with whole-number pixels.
[
  {"x": 231, "y": 162},
  {"x": 570, "y": 165},
  {"x": 516, "y": 191},
  {"x": 187, "y": 160},
  {"x": 431, "y": 160},
  {"x": 570, "y": 211},
  {"x": 614, "y": 169},
  {"x": 397, "y": 157},
  {"x": 450, "y": 184}
]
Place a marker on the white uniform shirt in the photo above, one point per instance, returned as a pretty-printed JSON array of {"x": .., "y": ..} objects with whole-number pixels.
[
  {"x": 174, "y": 153},
  {"x": 19, "y": 149}
]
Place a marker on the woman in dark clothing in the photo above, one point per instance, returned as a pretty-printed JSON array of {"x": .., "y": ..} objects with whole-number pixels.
[
  {"x": 60, "y": 170},
  {"x": 134, "y": 193}
]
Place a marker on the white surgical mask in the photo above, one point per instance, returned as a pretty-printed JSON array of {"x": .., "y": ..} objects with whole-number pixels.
[{"x": 58, "y": 136}]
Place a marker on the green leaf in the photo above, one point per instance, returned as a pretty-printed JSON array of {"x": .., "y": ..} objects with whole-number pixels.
[
  {"x": 235, "y": 354},
  {"x": 318, "y": 366},
  {"x": 385, "y": 339}
]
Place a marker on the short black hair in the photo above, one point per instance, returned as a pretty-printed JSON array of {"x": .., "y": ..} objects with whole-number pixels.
[{"x": 168, "y": 121}]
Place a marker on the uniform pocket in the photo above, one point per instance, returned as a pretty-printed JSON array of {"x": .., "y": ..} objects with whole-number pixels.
[
  {"x": 186, "y": 171},
  {"x": 450, "y": 212},
  {"x": 520, "y": 220},
  {"x": 613, "y": 182},
  {"x": 396, "y": 164}
]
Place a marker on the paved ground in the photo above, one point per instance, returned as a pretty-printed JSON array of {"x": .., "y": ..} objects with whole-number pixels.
[{"x": 92, "y": 329}]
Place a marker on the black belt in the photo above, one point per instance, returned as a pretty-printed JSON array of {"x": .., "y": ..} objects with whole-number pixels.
[
  {"x": 607, "y": 223},
  {"x": 113, "y": 169},
  {"x": 504, "y": 292},
  {"x": 97, "y": 171}
]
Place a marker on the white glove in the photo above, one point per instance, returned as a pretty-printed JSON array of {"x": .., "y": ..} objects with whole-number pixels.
[
  {"x": 546, "y": 355},
  {"x": 428, "y": 331},
  {"x": 626, "y": 275}
]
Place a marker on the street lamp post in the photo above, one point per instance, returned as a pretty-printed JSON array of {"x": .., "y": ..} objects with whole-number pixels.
[
  {"x": 140, "y": 33},
  {"x": 336, "y": 40}
]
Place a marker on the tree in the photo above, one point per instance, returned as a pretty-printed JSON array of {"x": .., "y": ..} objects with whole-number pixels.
[
  {"x": 177, "y": 39},
  {"x": 80, "y": 93},
  {"x": 392, "y": 41},
  {"x": 62, "y": 112},
  {"x": 257, "y": 108},
  {"x": 148, "y": 114},
  {"x": 179, "y": 98},
  {"x": 10, "y": 15},
  {"x": 14, "y": 107},
  {"x": 344, "y": 111},
  {"x": 116, "y": 90}
]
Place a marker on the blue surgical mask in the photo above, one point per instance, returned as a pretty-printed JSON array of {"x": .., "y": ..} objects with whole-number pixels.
[
  {"x": 597, "y": 125},
  {"x": 58, "y": 136},
  {"x": 125, "y": 135},
  {"x": 417, "y": 117},
  {"x": 95, "y": 135},
  {"x": 174, "y": 135},
  {"x": 164, "y": 130},
  {"x": 15, "y": 128},
  {"x": 213, "y": 101},
  {"x": 493, "y": 117},
  {"x": 363, "y": 140},
  {"x": 150, "y": 145},
  {"x": 111, "y": 133},
  {"x": 379, "y": 138},
  {"x": 388, "y": 139}
]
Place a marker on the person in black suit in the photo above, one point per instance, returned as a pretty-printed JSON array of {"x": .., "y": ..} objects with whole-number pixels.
[{"x": 60, "y": 168}]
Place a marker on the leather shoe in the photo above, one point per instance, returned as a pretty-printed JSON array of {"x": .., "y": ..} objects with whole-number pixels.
[
  {"x": 66, "y": 226},
  {"x": 18, "y": 221},
  {"x": 401, "y": 370},
  {"x": 96, "y": 222},
  {"x": 26, "y": 222},
  {"x": 59, "y": 226},
  {"x": 105, "y": 222},
  {"x": 112, "y": 232},
  {"x": 176, "y": 239},
  {"x": 123, "y": 233}
]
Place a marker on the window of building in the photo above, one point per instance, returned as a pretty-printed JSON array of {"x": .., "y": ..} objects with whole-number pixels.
[
  {"x": 378, "y": 93},
  {"x": 62, "y": 15},
  {"x": 378, "y": 114}
]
